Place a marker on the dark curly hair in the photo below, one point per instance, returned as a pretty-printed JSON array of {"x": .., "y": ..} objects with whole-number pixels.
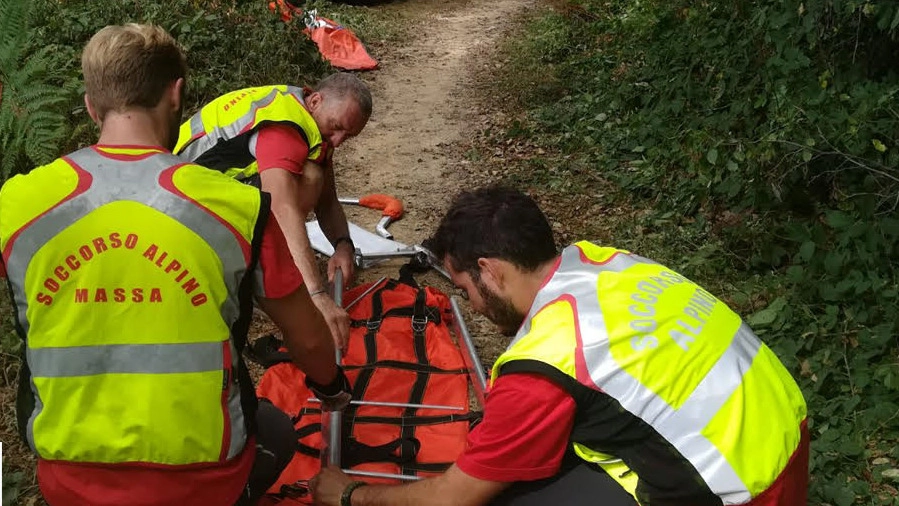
[{"x": 493, "y": 222}]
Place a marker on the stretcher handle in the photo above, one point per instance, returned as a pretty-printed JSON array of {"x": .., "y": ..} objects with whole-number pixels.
[
  {"x": 332, "y": 421},
  {"x": 389, "y": 206}
]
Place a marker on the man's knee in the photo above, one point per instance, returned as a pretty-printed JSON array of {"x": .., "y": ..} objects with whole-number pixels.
[
  {"x": 580, "y": 484},
  {"x": 275, "y": 433}
]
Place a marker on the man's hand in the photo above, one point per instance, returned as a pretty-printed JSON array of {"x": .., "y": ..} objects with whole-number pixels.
[
  {"x": 337, "y": 319},
  {"x": 328, "y": 485},
  {"x": 343, "y": 259}
]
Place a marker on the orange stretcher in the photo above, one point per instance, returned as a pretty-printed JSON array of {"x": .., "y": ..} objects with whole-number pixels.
[{"x": 410, "y": 416}]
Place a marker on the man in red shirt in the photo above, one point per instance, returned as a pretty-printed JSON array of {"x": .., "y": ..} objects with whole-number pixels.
[
  {"x": 565, "y": 422},
  {"x": 281, "y": 139},
  {"x": 133, "y": 274}
]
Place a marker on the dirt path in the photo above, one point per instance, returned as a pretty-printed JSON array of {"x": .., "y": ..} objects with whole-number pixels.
[
  {"x": 410, "y": 148},
  {"x": 421, "y": 110}
]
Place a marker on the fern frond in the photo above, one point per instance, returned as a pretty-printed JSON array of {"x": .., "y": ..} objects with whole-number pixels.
[
  {"x": 13, "y": 33},
  {"x": 32, "y": 104}
]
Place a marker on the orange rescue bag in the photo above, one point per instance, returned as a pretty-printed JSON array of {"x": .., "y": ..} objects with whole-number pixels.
[{"x": 400, "y": 350}]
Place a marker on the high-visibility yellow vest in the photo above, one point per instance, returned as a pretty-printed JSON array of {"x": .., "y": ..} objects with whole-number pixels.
[
  {"x": 716, "y": 412},
  {"x": 218, "y": 135},
  {"x": 132, "y": 282}
]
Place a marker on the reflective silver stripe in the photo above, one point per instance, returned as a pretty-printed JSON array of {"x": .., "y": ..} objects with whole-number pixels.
[
  {"x": 680, "y": 427},
  {"x": 125, "y": 358},
  {"x": 569, "y": 279},
  {"x": 196, "y": 148},
  {"x": 196, "y": 126},
  {"x": 115, "y": 180}
]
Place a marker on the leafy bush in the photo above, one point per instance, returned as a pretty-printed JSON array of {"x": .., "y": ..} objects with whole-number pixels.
[
  {"x": 761, "y": 139},
  {"x": 32, "y": 92},
  {"x": 230, "y": 44}
]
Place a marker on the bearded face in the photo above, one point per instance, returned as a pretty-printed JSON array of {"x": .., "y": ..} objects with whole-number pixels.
[{"x": 499, "y": 310}]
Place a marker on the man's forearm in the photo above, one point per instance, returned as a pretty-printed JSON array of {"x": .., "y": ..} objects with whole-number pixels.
[
  {"x": 293, "y": 224},
  {"x": 422, "y": 493},
  {"x": 329, "y": 212}
]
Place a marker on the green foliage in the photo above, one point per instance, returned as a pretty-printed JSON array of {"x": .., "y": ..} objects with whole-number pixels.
[
  {"x": 230, "y": 44},
  {"x": 32, "y": 99},
  {"x": 11, "y": 487},
  {"x": 760, "y": 137}
]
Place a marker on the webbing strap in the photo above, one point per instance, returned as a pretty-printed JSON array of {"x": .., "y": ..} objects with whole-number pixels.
[
  {"x": 353, "y": 452},
  {"x": 371, "y": 351},
  {"x": 405, "y": 366},
  {"x": 415, "y": 420},
  {"x": 403, "y": 450},
  {"x": 399, "y": 451},
  {"x": 416, "y": 396}
]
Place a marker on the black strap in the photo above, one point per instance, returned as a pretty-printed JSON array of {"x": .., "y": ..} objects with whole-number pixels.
[
  {"x": 241, "y": 326},
  {"x": 373, "y": 324},
  {"x": 416, "y": 396},
  {"x": 403, "y": 420},
  {"x": 405, "y": 366},
  {"x": 403, "y": 450},
  {"x": 266, "y": 351},
  {"x": 353, "y": 452}
]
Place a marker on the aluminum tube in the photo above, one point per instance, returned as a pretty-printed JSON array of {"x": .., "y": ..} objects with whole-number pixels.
[
  {"x": 381, "y": 475},
  {"x": 475, "y": 369},
  {"x": 381, "y": 227},
  {"x": 332, "y": 422},
  {"x": 344, "y": 200},
  {"x": 366, "y": 292},
  {"x": 397, "y": 405}
]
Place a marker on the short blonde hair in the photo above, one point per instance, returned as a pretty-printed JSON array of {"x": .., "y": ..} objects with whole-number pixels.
[{"x": 130, "y": 65}]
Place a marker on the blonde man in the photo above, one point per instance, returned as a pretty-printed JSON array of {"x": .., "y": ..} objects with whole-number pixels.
[{"x": 133, "y": 275}]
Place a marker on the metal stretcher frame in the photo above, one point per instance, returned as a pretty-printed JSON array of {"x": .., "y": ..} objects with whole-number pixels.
[{"x": 380, "y": 249}]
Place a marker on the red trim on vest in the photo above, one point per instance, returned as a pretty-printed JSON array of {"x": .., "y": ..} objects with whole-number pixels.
[
  {"x": 791, "y": 487},
  {"x": 580, "y": 361},
  {"x": 84, "y": 183},
  {"x": 143, "y": 484},
  {"x": 587, "y": 260},
  {"x": 128, "y": 157},
  {"x": 226, "y": 415},
  {"x": 552, "y": 272},
  {"x": 165, "y": 180}
]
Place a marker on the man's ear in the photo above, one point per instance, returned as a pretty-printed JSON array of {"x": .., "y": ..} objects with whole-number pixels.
[
  {"x": 492, "y": 273},
  {"x": 91, "y": 111},
  {"x": 177, "y": 91},
  {"x": 314, "y": 100}
]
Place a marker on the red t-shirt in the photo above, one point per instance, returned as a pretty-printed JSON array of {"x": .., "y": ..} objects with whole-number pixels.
[
  {"x": 281, "y": 146},
  {"x": 525, "y": 431},
  {"x": 526, "y": 428},
  {"x": 76, "y": 484}
]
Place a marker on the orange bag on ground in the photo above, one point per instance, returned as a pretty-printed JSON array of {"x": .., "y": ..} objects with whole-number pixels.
[
  {"x": 400, "y": 350},
  {"x": 337, "y": 44}
]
